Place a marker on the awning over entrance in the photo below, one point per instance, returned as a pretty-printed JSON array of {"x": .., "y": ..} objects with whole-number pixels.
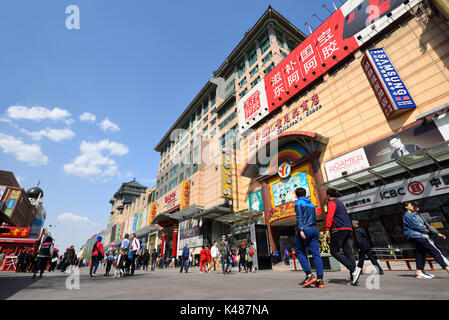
[
  {"x": 291, "y": 146},
  {"x": 214, "y": 213},
  {"x": 186, "y": 213},
  {"x": 405, "y": 164},
  {"x": 146, "y": 231}
]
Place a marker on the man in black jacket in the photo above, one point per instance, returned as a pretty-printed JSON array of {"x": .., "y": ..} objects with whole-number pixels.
[{"x": 363, "y": 246}]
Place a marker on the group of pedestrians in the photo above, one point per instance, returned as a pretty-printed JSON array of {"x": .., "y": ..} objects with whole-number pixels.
[{"x": 340, "y": 229}]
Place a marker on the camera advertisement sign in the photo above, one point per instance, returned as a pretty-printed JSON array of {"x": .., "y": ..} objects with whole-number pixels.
[{"x": 427, "y": 185}]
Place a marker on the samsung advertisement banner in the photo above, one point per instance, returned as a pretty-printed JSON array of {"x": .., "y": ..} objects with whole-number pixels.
[{"x": 387, "y": 85}]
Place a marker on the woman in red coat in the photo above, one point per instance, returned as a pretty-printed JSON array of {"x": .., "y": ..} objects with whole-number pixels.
[
  {"x": 209, "y": 259},
  {"x": 203, "y": 258}
]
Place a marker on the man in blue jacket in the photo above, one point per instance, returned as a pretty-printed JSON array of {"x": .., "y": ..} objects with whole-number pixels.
[
  {"x": 307, "y": 236},
  {"x": 185, "y": 258}
]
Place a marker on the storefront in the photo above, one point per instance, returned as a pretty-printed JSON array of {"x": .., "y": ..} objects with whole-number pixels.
[
  {"x": 412, "y": 165},
  {"x": 286, "y": 162}
]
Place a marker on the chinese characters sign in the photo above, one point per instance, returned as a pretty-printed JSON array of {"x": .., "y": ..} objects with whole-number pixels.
[
  {"x": 252, "y": 107},
  {"x": 351, "y": 26},
  {"x": 185, "y": 194},
  {"x": 390, "y": 91},
  {"x": 16, "y": 232},
  {"x": 153, "y": 212},
  {"x": 427, "y": 185},
  {"x": 226, "y": 174}
]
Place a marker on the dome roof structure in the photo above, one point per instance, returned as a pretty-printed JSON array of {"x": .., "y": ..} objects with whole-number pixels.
[{"x": 34, "y": 193}]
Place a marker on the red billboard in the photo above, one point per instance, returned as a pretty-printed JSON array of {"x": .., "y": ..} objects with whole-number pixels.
[
  {"x": 16, "y": 232},
  {"x": 353, "y": 24}
]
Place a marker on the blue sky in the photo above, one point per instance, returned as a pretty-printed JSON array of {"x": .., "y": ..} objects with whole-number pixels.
[{"x": 130, "y": 70}]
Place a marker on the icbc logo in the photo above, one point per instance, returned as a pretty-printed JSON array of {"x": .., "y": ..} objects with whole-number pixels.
[{"x": 416, "y": 188}]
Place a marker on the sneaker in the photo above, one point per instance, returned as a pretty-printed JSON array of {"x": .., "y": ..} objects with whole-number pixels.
[
  {"x": 423, "y": 276},
  {"x": 356, "y": 275},
  {"x": 94, "y": 275},
  {"x": 308, "y": 281},
  {"x": 319, "y": 283},
  {"x": 428, "y": 274}
]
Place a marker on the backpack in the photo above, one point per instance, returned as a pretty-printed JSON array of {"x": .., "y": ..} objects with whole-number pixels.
[
  {"x": 251, "y": 252},
  {"x": 100, "y": 256}
]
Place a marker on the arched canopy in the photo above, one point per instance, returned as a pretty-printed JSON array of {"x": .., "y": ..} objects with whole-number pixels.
[{"x": 288, "y": 146}]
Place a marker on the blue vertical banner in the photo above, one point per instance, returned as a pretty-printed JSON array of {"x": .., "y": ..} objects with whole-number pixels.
[
  {"x": 136, "y": 218},
  {"x": 388, "y": 86}
]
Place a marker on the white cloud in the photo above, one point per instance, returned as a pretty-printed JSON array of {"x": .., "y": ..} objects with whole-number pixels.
[
  {"x": 38, "y": 113},
  {"x": 95, "y": 160},
  {"x": 108, "y": 125},
  {"x": 74, "y": 220},
  {"x": 5, "y": 120},
  {"x": 30, "y": 153},
  {"x": 52, "y": 134},
  {"x": 88, "y": 117}
]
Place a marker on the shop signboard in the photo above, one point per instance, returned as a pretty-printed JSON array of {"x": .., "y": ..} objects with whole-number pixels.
[
  {"x": 253, "y": 107},
  {"x": 14, "y": 194},
  {"x": 185, "y": 194},
  {"x": 226, "y": 173},
  {"x": 384, "y": 150},
  {"x": 424, "y": 186},
  {"x": 16, "y": 232},
  {"x": 134, "y": 225},
  {"x": 190, "y": 232},
  {"x": 351, "y": 26},
  {"x": 351, "y": 162},
  {"x": 170, "y": 200},
  {"x": 255, "y": 201},
  {"x": 388, "y": 86},
  {"x": 153, "y": 212}
]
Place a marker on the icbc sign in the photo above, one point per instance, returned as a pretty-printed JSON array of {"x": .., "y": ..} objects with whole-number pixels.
[{"x": 416, "y": 188}]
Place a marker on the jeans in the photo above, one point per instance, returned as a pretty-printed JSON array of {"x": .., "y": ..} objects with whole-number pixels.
[
  {"x": 108, "y": 266},
  {"x": 311, "y": 242},
  {"x": 342, "y": 240},
  {"x": 225, "y": 262},
  {"x": 185, "y": 265},
  {"x": 153, "y": 265},
  {"x": 41, "y": 264},
  {"x": 94, "y": 265},
  {"x": 422, "y": 246}
]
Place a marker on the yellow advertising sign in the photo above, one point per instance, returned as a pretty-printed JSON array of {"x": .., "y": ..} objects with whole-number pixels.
[
  {"x": 152, "y": 213},
  {"x": 14, "y": 194},
  {"x": 185, "y": 194},
  {"x": 226, "y": 173}
]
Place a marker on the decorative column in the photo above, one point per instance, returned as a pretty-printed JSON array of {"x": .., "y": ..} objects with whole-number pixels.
[
  {"x": 175, "y": 241},
  {"x": 267, "y": 214}
]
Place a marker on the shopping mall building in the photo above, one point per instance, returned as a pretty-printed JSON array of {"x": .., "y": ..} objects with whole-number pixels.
[{"x": 359, "y": 105}]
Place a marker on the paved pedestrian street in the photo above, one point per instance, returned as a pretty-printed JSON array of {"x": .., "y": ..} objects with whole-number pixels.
[{"x": 169, "y": 284}]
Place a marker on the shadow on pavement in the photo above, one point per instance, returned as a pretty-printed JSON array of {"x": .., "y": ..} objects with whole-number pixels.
[
  {"x": 339, "y": 281},
  {"x": 11, "y": 285}
]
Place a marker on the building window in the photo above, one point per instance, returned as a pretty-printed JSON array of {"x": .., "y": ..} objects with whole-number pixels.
[
  {"x": 254, "y": 70},
  {"x": 264, "y": 43},
  {"x": 267, "y": 58},
  {"x": 212, "y": 122},
  {"x": 252, "y": 57},
  {"x": 205, "y": 118},
  {"x": 227, "y": 120},
  {"x": 283, "y": 54},
  {"x": 241, "y": 68},
  {"x": 224, "y": 111},
  {"x": 256, "y": 81},
  {"x": 195, "y": 168},
  {"x": 242, "y": 94},
  {"x": 188, "y": 173},
  {"x": 271, "y": 67},
  {"x": 280, "y": 40},
  {"x": 242, "y": 83},
  {"x": 212, "y": 98},
  {"x": 205, "y": 129}
]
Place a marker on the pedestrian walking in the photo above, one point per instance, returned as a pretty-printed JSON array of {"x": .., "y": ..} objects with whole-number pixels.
[
  {"x": 120, "y": 263},
  {"x": 203, "y": 259},
  {"x": 185, "y": 258},
  {"x": 242, "y": 257},
  {"x": 125, "y": 245},
  {"x": 339, "y": 231},
  {"x": 43, "y": 255},
  {"x": 208, "y": 257},
  {"x": 134, "y": 248},
  {"x": 110, "y": 257},
  {"x": 363, "y": 246},
  {"x": 214, "y": 253},
  {"x": 307, "y": 236},
  {"x": 153, "y": 259},
  {"x": 97, "y": 256},
  {"x": 417, "y": 230},
  {"x": 69, "y": 258},
  {"x": 145, "y": 260},
  {"x": 225, "y": 254}
]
